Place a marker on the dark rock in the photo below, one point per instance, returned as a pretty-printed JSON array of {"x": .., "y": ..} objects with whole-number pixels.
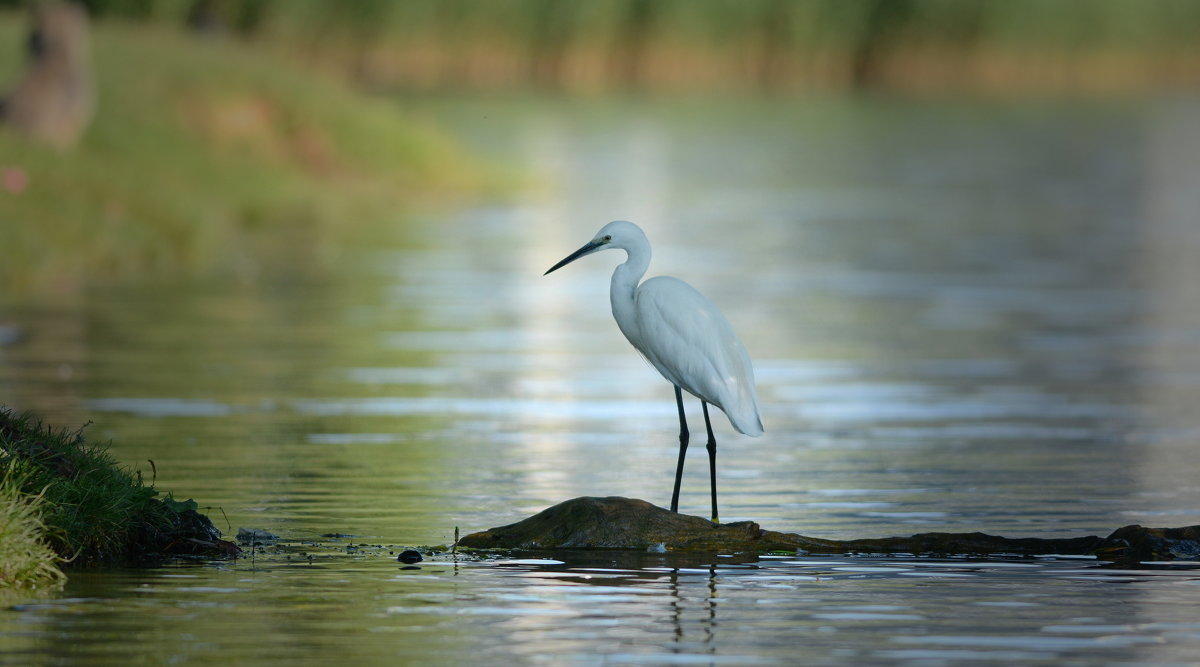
[
  {"x": 192, "y": 534},
  {"x": 410, "y": 556},
  {"x": 973, "y": 543},
  {"x": 194, "y": 524},
  {"x": 624, "y": 523},
  {"x": 1137, "y": 543}
]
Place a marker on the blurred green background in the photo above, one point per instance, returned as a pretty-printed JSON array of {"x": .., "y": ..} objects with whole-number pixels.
[
  {"x": 738, "y": 45},
  {"x": 293, "y": 111}
]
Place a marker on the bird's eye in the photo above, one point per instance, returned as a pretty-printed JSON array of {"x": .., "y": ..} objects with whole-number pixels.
[{"x": 607, "y": 238}]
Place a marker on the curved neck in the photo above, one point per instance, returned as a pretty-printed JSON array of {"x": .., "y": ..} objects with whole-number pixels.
[{"x": 625, "y": 279}]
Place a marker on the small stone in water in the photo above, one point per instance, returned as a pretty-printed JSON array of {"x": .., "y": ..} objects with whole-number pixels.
[{"x": 409, "y": 556}]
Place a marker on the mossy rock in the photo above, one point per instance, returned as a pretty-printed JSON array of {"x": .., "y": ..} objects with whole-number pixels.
[{"x": 625, "y": 523}]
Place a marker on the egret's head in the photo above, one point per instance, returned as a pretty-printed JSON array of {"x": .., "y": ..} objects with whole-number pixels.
[{"x": 618, "y": 234}]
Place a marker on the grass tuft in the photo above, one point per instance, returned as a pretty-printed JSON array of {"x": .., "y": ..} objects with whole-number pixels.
[
  {"x": 93, "y": 511},
  {"x": 27, "y": 561}
]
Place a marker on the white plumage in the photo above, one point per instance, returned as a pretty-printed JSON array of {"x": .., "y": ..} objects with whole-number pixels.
[
  {"x": 691, "y": 343},
  {"x": 683, "y": 335}
]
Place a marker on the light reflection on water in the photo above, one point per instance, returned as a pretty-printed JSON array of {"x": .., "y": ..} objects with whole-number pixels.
[
  {"x": 612, "y": 608},
  {"x": 961, "y": 318}
]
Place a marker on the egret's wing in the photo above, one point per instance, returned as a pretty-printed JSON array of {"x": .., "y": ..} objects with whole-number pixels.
[{"x": 691, "y": 343}]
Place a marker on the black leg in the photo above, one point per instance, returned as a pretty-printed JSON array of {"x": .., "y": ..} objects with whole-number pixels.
[
  {"x": 683, "y": 443},
  {"x": 712, "y": 461}
]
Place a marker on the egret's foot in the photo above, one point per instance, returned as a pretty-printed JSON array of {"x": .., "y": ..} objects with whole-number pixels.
[{"x": 716, "y": 520}]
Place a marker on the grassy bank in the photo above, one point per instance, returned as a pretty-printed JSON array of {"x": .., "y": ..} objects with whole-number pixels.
[
  {"x": 64, "y": 499},
  {"x": 205, "y": 154}
]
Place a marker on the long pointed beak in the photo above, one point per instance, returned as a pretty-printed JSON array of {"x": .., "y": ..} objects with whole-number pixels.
[{"x": 588, "y": 249}]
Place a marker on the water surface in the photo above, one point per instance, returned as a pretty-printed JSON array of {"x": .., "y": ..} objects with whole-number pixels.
[
  {"x": 962, "y": 316},
  {"x": 616, "y": 609}
]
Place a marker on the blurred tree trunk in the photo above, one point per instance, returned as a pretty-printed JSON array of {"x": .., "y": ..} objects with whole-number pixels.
[
  {"x": 884, "y": 21},
  {"x": 776, "y": 37},
  {"x": 244, "y": 17},
  {"x": 55, "y": 100},
  {"x": 549, "y": 38},
  {"x": 634, "y": 32}
]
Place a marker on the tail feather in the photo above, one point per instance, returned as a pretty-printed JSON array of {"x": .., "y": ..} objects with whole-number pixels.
[{"x": 744, "y": 415}]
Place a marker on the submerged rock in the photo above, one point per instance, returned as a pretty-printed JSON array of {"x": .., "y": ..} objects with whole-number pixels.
[
  {"x": 626, "y": 523},
  {"x": 256, "y": 537}
]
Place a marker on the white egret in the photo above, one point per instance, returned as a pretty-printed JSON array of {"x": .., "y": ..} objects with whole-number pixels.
[{"x": 682, "y": 334}]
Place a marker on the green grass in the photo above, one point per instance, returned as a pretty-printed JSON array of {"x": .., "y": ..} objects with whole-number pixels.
[
  {"x": 91, "y": 510},
  {"x": 206, "y": 155},
  {"x": 27, "y": 562}
]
